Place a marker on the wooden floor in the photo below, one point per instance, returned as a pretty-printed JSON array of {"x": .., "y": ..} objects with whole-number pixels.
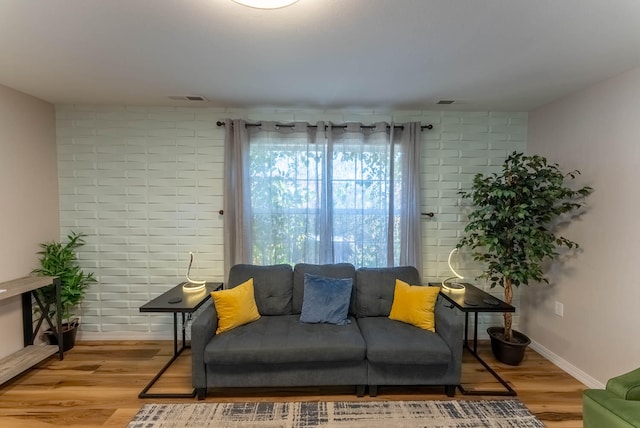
[{"x": 97, "y": 385}]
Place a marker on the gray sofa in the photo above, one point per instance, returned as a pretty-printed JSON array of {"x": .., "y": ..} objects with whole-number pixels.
[{"x": 279, "y": 351}]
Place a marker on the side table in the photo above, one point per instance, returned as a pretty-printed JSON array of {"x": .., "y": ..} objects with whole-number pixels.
[
  {"x": 177, "y": 300},
  {"x": 27, "y": 357},
  {"x": 472, "y": 299}
]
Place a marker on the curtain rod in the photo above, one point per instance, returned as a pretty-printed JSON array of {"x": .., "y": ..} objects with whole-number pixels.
[
  {"x": 429, "y": 214},
  {"x": 429, "y": 126}
]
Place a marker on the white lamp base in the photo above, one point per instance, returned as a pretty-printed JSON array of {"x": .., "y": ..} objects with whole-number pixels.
[
  {"x": 452, "y": 286},
  {"x": 189, "y": 286}
]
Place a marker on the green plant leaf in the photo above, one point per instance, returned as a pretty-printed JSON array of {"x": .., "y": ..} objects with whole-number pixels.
[
  {"x": 60, "y": 260},
  {"x": 511, "y": 229}
]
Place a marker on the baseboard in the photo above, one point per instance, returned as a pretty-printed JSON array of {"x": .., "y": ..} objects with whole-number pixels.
[{"x": 566, "y": 366}]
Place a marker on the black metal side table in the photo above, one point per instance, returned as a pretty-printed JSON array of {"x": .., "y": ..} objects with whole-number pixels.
[
  {"x": 472, "y": 299},
  {"x": 177, "y": 300}
]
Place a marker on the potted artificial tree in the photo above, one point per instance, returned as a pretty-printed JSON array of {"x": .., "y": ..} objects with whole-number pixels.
[
  {"x": 58, "y": 259},
  {"x": 511, "y": 230}
]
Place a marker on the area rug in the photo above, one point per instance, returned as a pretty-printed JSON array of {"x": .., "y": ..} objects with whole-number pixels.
[{"x": 342, "y": 414}]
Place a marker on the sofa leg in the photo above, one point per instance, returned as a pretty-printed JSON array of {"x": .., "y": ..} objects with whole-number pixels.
[
  {"x": 450, "y": 390},
  {"x": 373, "y": 390},
  {"x": 202, "y": 393},
  {"x": 360, "y": 390}
]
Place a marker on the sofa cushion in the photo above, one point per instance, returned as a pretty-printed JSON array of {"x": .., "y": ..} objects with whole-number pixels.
[
  {"x": 273, "y": 286},
  {"x": 394, "y": 342},
  {"x": 375, "y": 288},
  {"x": 284, "y": 339},
  {"x": 326, "y": 300},
  {"x": 414, "y": 304},
  {"x": 235, "y": 306},
  {"x": 338, "y": 270}
]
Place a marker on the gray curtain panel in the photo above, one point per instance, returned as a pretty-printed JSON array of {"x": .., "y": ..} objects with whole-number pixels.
[
  {"x": 237, "y": 203},
  {"x": 410, "y": 220}
]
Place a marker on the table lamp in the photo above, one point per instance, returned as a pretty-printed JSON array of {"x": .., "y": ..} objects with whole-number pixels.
[
  {"x": 452, "y": 283},
  {"x": 193, "y": 284}
]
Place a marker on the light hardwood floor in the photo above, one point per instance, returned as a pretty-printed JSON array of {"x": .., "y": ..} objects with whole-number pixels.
[{"x": 97, "y": 385}]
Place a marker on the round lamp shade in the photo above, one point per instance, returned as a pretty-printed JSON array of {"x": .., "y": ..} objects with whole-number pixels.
[{"x": 266, "y": 4}]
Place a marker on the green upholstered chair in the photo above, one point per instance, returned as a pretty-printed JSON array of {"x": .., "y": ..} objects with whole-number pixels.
[{"x": 616, "y": 406}]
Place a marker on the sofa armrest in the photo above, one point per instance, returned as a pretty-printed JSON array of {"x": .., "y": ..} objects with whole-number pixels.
[
  {"x": 450, "y": 326},
  {"x": 602, "y": 408},
  {"x": 626, "y": 386},
  {"x": 203, "y": 328}
]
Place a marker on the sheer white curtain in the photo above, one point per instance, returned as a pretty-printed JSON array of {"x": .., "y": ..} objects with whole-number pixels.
[{"x": 322, "y": 194}]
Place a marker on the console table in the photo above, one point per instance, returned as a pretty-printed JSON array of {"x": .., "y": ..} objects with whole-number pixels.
[
  {"x": 177, "y": 300},
  {"x": 31, "y": 354},
  {"x": 472, "y": 299}
]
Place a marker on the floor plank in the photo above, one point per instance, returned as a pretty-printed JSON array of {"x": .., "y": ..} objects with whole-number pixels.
[{"x": 97, "y": 385}]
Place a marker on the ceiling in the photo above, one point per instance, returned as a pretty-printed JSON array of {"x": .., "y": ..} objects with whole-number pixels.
[{"x": 511, "y": 55}]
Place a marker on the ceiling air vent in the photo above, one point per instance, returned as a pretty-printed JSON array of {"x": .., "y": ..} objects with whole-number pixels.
[
  {"x": 446, "y": 101},
  {"x": 195, "y": 98}
]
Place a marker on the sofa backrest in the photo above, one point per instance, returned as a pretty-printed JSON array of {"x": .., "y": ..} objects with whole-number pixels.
[
  {"x": 338, "y": 270},
  {"x": 273, "y": 286},
  {"x": 279, "y": 289},
  {"x": 375, "y": 287}
]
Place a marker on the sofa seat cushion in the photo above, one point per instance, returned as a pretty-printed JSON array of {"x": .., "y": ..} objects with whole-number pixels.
[
  {"x": 395, "y": 342},
  {"x": 284, "y": 339}
]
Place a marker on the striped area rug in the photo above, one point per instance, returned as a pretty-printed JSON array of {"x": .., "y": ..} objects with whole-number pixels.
[{"x": 341, "y": 414}]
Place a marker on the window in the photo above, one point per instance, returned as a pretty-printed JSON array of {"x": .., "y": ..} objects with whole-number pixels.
[{"x": 325, "y": 195}]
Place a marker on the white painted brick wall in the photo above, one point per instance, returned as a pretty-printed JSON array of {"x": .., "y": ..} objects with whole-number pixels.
[{"x": 146, "y": 183}]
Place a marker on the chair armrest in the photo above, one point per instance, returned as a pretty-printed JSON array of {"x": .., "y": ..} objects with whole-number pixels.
[
  {"x": 602, "y": 408},
  {"x": 450, "y": 326},
  {"x": 203, "y": 328},
  {"x": 626, "y": 386}
]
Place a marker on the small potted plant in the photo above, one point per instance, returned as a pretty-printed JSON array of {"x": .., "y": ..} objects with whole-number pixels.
[
  {"x": 58, "y": 259},
  {"x": 512, "y": 231}
]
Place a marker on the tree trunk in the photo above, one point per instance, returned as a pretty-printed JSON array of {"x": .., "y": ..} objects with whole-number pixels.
[{"x": 508, "y": 316}]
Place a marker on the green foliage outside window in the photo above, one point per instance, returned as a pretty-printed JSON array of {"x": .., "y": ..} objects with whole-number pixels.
[{"x": 287, "y": 190}]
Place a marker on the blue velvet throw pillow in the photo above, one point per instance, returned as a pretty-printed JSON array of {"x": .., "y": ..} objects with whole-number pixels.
[{"x": 326, "y": 300}]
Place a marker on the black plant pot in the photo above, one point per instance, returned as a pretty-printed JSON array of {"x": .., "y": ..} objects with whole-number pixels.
[
  {"x": 511, "y": 353},
  {"x": 69, "y": 331}
]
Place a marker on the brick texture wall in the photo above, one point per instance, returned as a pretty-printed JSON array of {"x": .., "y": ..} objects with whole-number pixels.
[{"x": 146, "y": 183}]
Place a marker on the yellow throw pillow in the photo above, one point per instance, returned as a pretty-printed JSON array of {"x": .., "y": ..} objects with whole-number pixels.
[
  {"x": 235, "y": 306},
  {"x": 414, "y": 304}
]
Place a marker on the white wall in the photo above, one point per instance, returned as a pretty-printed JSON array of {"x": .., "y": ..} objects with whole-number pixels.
[
  {"x": 145, "y": 185},
  {"x": 596, "y": 131},
  {"x": 29, "y": 194}
]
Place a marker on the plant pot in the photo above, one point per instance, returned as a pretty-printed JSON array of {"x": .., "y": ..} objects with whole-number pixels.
[
  {"x": 69, "y": 331},
  {"x": 511, "y": 353}
]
